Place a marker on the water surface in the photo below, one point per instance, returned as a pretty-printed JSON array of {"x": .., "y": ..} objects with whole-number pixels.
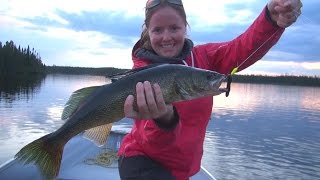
[{"x": 258, "y": 132}]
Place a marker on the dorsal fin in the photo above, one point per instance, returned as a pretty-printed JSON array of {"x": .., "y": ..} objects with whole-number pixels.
[
  {"x": 99, "y": 134},
  {"x": 118, "y": 76},
  {"x": 75, "y": 100}
]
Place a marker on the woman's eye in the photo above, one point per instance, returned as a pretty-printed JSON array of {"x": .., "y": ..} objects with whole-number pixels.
[
  {"x": 174, "y": 29},
  {"x": 157, "y": 30}
]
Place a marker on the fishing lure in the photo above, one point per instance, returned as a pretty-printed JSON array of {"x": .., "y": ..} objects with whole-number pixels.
[{"x": 234, "y": 71}]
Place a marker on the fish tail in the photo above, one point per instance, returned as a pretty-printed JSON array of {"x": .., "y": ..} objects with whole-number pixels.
[{"x": 45, "y": 153}]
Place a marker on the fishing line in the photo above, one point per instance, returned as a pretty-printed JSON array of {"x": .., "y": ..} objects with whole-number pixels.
[
  {"x": 304, "y": 16},
  {"x": 235, "y": 70}
]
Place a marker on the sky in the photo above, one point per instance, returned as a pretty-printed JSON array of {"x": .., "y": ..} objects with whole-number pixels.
[{"x": 100, "y": 33}]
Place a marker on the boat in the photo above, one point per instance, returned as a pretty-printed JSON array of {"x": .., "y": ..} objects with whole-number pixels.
[{"x": 82, "y": 160}]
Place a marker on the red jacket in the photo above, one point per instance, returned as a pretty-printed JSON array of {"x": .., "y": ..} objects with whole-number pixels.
[{"x": 180, "y": 149}]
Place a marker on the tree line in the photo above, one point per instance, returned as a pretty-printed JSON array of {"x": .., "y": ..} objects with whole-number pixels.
[
  {"x": 18, "y": 61},
  {"x": 105, "y": 71},
  {"x": 17, "y": 64},
  {"x": 21, "y": 69},
  {"x": 254, "y": 79},
  {"x": 279, "y": 80}
]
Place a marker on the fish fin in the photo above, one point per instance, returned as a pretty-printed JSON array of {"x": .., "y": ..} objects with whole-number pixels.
[
  {"x": 45, "y": 154},
  {"x": 118, "y": 76},
  {"x": 75, "y": 100},
  {"x": 99, "y": 134},
  {"x": 182, "y": 92}
]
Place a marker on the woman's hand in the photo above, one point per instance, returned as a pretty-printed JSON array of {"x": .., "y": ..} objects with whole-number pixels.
[
  {"x": 284, "y": 12},
  {"x": 150, "y": 104}
]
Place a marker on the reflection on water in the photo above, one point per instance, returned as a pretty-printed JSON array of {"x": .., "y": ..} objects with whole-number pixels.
[
  {"x": 14, "y": 88},
  {"x": 265, "y": 132},
  {"x": 249, "y": 99},
  {"x": 258, "y": 132},
  {"x": 26, "y": 117}
]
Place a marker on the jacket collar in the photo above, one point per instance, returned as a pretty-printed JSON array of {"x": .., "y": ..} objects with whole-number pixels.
[{"x": 143, "y": 53}]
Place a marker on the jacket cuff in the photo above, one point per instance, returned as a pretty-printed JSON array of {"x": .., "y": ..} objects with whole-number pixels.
[
  {"x": 168, "y": 126},
  {"x": 268, "y": 17}
]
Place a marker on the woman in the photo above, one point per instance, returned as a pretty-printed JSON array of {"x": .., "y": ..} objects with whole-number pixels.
[{"x": 166, "y": 141}]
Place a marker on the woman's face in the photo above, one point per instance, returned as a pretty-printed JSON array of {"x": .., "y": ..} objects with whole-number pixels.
[{"x": 167, "y": 32}]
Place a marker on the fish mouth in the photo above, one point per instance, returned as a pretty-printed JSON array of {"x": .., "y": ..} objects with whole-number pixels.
[
  {"x": 225, "y": 86},
  {"x": 223, "y": 90},
  {"x": 219, "y": 82},
  {"x": 227, "y": 89}
]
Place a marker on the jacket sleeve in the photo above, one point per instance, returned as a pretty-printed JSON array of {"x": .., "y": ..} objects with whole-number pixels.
[
  {"x": 246, "y": 49},
  {"x": 152, "y": 132}
]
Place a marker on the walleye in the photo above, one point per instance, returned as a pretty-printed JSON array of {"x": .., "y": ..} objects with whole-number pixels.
[{"x": 100, "y": 106}]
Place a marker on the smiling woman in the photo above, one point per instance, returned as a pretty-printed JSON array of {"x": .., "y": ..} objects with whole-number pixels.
[{"x": 164, "y": 39}]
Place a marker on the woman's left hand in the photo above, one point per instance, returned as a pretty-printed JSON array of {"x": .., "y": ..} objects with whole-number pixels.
[{"x": 284, "y": 12}]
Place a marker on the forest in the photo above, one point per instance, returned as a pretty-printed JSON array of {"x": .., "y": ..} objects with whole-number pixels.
[
  {"x": 103, "y": 71},
  {"x": 18, "y": 61},
  {"x": 279, "y": 80},
  {"x": 21, "y": 69},
  {"x": 24, "y": 65}
]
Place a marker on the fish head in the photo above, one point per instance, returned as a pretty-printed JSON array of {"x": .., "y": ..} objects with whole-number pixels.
[
  {"x": 200, "y": 83},
  {"x": 208, "y": 82}
]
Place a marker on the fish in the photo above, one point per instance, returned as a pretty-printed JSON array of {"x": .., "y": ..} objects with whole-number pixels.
[{"x": 98, "y": 107}]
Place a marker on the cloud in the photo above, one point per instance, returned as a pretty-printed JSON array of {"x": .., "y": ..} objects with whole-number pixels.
[
  {"x": 69, "y": 47},
  {"x": 102, "y": 32},
  {"x": 275, "y": 54},
  {"x": 33, "y": 8},
  {"x": 7, "y": 21},
  {"x": 207, "y": 13},
  {"x": 264, "y": 67},
  {"x": 104, "y": 22},
  {"x": 311, "y": 66},
  {"x": 108, "y": 57}
]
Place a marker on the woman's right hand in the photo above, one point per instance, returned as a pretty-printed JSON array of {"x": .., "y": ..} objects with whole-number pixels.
[{"x": 150, "y": 103}]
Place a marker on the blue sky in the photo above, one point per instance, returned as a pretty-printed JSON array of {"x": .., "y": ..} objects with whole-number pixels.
[{"x": 100, "y": 33}]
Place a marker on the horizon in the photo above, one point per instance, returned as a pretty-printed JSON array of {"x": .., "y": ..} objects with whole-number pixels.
[
  {"x": 102, "y": 34},
  {"x": 240, "y": 74}
]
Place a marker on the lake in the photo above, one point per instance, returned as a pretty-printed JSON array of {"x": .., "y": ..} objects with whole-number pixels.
[{"x": 258, "y": 132}]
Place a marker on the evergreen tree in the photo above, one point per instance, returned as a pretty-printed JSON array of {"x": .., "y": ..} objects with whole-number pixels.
[{"x": 19, "y": 61}]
